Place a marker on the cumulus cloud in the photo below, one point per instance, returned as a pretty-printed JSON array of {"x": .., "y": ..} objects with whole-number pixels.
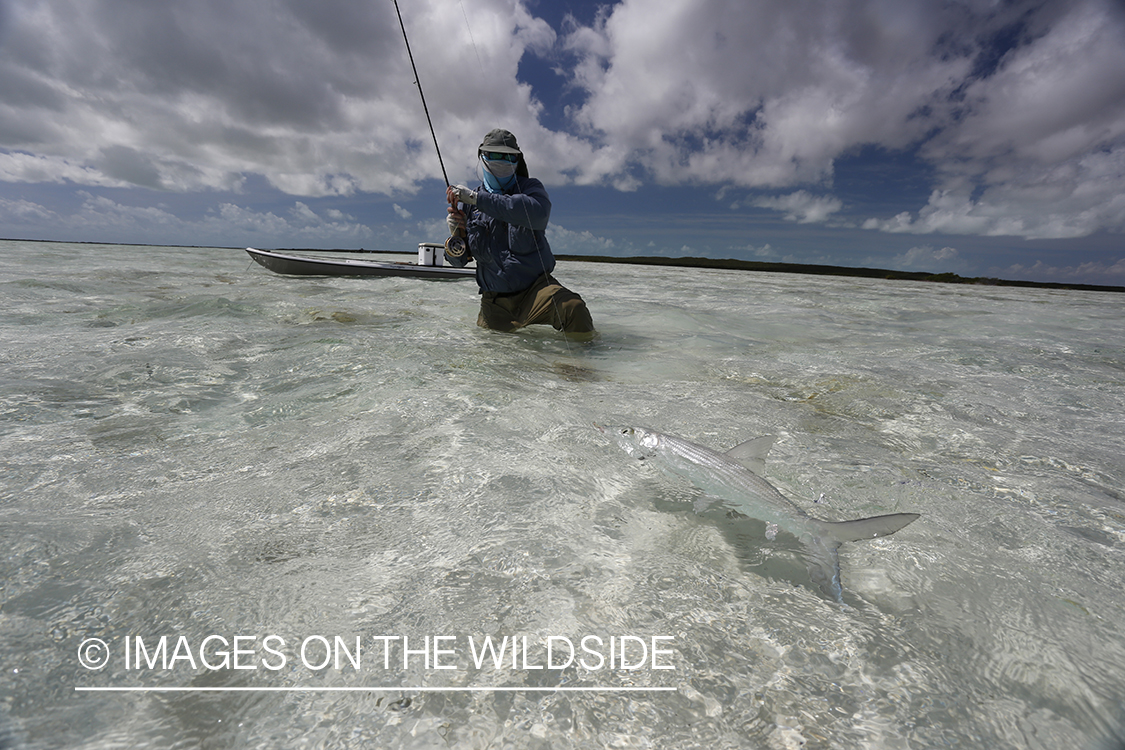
[
  {"x": 1018, "y": 108},
  {"x": 229, "y": 223},
  {"x": 316, "y": 95},
  {"x": 926, "y": 258},
  {"x": 302, "y": 223},
  {"x": 801, "y": 206},
  {"x": 1090, "y": 272},
  {"x": 1039, "y": 147},
  {"x": 25, "y": 167},
  {"x": 762, "y": 94},
  {"x": 23, "y": 212},
  {"x": 583, "y": 242},
  {"x": 1070, "y": 200}
]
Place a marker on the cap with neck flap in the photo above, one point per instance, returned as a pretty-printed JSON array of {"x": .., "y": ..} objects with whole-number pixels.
[{"x": 500, "y": 141}]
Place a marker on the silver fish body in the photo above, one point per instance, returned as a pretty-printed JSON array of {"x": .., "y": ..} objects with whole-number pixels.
[{"x": 729, "y": 476}]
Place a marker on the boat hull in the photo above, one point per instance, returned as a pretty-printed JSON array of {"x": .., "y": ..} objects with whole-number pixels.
[{"x": 296, "y": 265}]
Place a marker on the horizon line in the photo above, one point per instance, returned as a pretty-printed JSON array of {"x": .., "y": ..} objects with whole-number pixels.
[{"x": 721, "y": 263}]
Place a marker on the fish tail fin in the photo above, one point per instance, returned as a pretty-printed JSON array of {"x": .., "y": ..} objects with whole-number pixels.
[
  {"x": 824, "y": 565},
  {"x": 868, "y": 528},
  {"x": 821, "y": 549}
]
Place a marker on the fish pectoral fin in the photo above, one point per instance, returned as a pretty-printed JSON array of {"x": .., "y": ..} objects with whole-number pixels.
[
  {"x": 715, "y": 504},
  {"x": 824, "y": 565},
  {"x": 703, "y": 503},
  {"x": 752, "y": 453},
  {"x": 868, "y": 528}
]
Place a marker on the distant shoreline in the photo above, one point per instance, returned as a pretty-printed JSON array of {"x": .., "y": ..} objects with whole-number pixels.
[
  {"x": 724, "y": 264},
  {"x": 822, "y": 270}
]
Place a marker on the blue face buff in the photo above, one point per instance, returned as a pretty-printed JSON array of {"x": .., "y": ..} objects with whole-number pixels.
[{"x": 499, "y": 174}]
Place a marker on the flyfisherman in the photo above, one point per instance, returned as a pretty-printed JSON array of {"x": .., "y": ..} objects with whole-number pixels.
[{"x": 501, "y": 224}]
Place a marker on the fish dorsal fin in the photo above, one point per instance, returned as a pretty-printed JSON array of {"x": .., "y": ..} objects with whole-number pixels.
[{"x": 752, "y": 453}]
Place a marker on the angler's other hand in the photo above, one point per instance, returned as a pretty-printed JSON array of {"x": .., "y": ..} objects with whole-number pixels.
[{"x": 456, "y": 221}]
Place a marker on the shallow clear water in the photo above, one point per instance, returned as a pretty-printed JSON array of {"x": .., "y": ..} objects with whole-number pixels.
[{"x": 193, "y": 446}]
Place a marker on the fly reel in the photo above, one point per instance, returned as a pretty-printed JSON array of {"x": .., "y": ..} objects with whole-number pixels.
[{"x": 455, "y": 246}]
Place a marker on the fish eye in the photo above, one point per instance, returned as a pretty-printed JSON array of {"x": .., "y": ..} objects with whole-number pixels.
[{"x": 627, "y": 431}]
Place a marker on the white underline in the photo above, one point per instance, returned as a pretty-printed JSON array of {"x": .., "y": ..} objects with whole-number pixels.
[{"x": 410, "y": 689}]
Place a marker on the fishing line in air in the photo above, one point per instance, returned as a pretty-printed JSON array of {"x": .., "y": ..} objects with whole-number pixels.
[
  {"x": 471, "y": 37},
  {"x": 527, "y": 215},
  {"x": 433, "y": 134},
  {"x": 418, "y": 83}
]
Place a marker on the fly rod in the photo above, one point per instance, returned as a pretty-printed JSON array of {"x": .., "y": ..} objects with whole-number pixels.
[{"x": 418, "y": 83}]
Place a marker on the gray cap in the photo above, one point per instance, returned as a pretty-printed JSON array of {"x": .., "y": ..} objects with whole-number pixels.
[{"x": 500, "y": 141}]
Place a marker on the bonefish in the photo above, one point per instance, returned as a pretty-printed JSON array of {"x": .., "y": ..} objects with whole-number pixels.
[{"x": 728, "y": 476}]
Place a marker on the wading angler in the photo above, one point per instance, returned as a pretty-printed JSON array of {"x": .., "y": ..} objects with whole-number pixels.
[{"x": 502, "y": 226}]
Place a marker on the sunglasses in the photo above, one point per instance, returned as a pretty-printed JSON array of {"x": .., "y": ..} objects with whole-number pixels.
[{"x": 496, "y": 156}]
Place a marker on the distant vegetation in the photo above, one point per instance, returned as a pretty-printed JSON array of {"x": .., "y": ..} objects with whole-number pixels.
[{"x": 869, "y": 273}]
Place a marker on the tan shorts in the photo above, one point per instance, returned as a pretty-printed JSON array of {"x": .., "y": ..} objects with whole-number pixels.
[{"x": 545, "y": 301}]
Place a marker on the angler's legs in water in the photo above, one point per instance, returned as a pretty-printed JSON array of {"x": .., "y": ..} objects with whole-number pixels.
[{"x": 544, "y": 302}]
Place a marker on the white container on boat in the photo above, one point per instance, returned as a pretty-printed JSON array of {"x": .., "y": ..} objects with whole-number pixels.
[{"x": 430, "y": 254}]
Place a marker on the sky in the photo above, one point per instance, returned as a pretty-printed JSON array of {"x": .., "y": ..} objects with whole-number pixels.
[{"x": 978, "y": 137}]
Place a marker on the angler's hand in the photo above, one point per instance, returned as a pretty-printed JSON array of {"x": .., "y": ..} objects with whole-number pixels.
[
  {"x": 456, "y": 221},
  {"x": 461, "y": 193}
]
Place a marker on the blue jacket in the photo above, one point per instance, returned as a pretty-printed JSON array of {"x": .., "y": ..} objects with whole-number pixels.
[{"x": 506, "y": 236}]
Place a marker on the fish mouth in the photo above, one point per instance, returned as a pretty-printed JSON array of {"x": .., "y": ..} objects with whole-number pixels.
[{"x": 600, "y": 428}]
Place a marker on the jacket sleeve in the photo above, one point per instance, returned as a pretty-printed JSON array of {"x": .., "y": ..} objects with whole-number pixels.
[{"x": 528, "y": 207}]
